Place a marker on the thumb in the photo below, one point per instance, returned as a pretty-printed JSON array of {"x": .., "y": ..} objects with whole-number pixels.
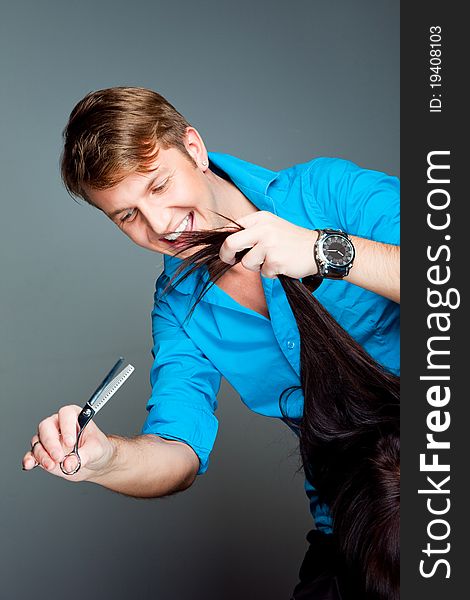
[{"x": 71, "y": 463}]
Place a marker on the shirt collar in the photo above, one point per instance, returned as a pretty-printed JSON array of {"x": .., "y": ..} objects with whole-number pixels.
[{"x": 252, "y": 180}]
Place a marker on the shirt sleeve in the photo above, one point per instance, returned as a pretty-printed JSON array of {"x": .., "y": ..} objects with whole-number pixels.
[
  {"x": 184, "y": 387},
  {"x": 361, "y": 202}
]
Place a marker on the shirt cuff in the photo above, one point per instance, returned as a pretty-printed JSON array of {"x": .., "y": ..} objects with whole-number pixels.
[{"x": 184, "y": 423}]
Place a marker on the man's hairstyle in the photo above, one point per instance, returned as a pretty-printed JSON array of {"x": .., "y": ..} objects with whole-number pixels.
[{"x": 114, "y": 132}]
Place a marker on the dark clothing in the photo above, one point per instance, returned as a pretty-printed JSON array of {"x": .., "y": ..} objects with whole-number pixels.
[{"x": 321, "y": 574}]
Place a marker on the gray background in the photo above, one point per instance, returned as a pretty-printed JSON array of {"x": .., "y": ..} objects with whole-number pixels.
[{"x": 275, "y": 83}]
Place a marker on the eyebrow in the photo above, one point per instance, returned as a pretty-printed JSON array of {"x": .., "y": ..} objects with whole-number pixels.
[{"x": 149, "y": 186}]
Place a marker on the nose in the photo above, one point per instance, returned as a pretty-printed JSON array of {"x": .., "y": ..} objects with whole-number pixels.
[{"x": 157, "y": 219}]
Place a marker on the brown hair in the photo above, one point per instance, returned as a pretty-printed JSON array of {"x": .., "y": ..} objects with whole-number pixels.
[
  {"x": 114, "y": 132},
  {"x": 349, "y": 431}
]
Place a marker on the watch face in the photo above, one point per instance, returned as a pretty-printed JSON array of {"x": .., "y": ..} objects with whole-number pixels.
[{"x": 337, "y": 250}]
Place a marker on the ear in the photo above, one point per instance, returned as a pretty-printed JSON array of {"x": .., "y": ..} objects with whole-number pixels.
[{"x": 196, "y": 148}]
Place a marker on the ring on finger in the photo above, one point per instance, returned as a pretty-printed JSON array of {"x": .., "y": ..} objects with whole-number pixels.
[{"x": 32, "y": 452}]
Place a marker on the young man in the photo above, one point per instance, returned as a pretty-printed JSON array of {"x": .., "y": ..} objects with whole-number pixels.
[{"x": 132, "y": 155}]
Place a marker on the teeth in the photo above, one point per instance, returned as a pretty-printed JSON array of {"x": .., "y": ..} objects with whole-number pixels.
[{"x": 179, "y": 230}]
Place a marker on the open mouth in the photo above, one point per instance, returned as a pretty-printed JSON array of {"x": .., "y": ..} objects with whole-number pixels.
[{"x": 185, "y": 225}]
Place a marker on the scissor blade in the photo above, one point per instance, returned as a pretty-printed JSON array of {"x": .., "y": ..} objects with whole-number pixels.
[
  {"x": 112, "y": 388},
  {"x": 105, "y": 381}
]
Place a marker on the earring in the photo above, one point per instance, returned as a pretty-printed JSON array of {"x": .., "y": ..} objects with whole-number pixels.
[{"x": 204, "y": 163}]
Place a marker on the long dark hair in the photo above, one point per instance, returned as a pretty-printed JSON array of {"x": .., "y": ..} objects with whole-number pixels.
[{"x": 349, "y": 431}]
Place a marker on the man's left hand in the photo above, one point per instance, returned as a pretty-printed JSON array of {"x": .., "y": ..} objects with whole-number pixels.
[{"x": 277, "y": 246}]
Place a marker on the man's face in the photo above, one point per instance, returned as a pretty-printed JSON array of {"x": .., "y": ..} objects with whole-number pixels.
[{"x": 174, "y": 196}]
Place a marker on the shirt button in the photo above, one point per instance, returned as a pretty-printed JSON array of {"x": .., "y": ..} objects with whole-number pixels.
[{"x": 290, "y": 344}]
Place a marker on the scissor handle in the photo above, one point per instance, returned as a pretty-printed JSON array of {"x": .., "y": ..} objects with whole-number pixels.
[
  {"x": 77, "y": 468},
  {"x": 85, "y": 416},
  {"x": 110, "y": 384}
]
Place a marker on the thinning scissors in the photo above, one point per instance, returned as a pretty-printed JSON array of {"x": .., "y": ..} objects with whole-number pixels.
[{"x": 107, "y": 388}]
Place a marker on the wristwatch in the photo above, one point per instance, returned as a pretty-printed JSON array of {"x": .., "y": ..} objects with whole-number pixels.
[{"x": 334, "y": 253}]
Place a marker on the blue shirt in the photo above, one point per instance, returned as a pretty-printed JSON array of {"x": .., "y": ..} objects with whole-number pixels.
[{"x": 259, "y": 356}]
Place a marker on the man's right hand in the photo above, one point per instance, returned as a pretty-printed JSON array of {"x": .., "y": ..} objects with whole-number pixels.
[
  {"x": 144, "y": 466},
  {"x": 57, "y": 435}
]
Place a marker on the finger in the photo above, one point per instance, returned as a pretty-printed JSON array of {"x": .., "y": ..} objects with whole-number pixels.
[
  {"x": 268, "y": 274},
  {"x": 49, "y": 436},
  {"x": 70, "y": 464},
  {"x": 236, "y": 242},
  {"x": 68, "y": 424},
  {"x": 29, "y": 462},
  {"x": 41, "y": 456},
  {"x": 254, "y": 259},
  {"x": 253, "y": 218},
  {"x": 270, "y": 270}
]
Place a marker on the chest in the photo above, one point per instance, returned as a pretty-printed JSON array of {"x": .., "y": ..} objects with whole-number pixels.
[{"x": 246, "y": 288}]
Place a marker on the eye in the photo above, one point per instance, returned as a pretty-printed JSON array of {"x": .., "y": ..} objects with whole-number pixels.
[
  {"x": 128, "y": 216},
  {"x": 161, "y": 187}
]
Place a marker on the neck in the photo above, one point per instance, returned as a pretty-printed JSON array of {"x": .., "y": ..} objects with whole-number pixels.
[{"x": 235, "y": 203}]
